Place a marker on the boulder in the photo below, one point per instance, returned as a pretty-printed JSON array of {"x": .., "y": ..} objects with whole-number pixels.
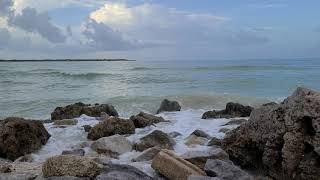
[
  {"x": 19, "y": 137},
  {"x": 22, "y": 171},
  {"x": 155, "y": 139},
  {"x": 232, "y": 110},
  {"x": 214, "y": 142},
  {"x": 281, "y": 139},
  {"x": 236, "y": 122},
  {"x": 110, "y": 127},
  {"x": 147, "y": 155},
  {"x": 224, "y": 130},
  {"x": 77, "y": 152},
  {"x": 142, "y": 120},
  {"x": 113, "y": 145},
  {"x": 70, "y": 165},
  {"x": 201, "y": 133},
  {"x": 66, "y": 122},
  {"x": 174, "y": 167},
  {"x": 194, "y": 140},
  {"x": 225, "y": 170},
  {"x": 122, "y": 172},
  {"x": 87, "y": 128},
  {"x": 169, "y": 106},
  {"x": 77, "y": 109},
  {"x": 200, "y": 157}
]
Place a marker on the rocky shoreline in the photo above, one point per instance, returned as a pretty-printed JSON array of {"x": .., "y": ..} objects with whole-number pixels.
[{"x": 278, "y": 141}]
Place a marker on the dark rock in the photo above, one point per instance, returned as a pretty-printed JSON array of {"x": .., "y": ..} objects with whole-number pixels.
[
  {"x": 232, "y": 110},
  {"x": 77, "y": 109},
  {"x": 224, "y": 130},
  {"x": 147, "y": 155},
  {"x": 175, "y": 134},
  {"x": 214, "y": 142},
  {"x": 87, "y": 128},
  {"x": 201, "y": 133},
  {"x": 225, "y": 170},
  {"x": 122, "y": 172},
  {"x": 25, "y": 158},
  {"x": 236, "y": 122},
  {"x": 280, "y": 139},
  {"x": 67, "y": 178},
  {"x": 77, "y": 152},
  {"x": 192, "y": 177},
  {"x": 143, "y": 120},
  {"x": 110, "y": 127},
  {"x": 155, "y": 139},
  {"x": 19, "y": 137},
  {"x": 169, "y": 106}
]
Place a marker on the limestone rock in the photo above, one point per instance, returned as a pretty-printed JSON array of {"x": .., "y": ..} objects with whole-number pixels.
[
  {"x": 142, "y": 120},
  {"x": 155, "y": 139},
  {"x": 214, "y": 142},
  {"x": 194, "y": 140},
  {"x": 169, "y": 106},
  {"x": 201, "y": 133},
  {"x": 147, "y": 155},
  {"x": 66, "y": 122},
  {"x": 232, "y": 110},
  {"x": 113, "y": 145}
]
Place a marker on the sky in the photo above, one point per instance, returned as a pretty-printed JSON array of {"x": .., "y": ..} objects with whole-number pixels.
[{"x": 159, "y": 29}]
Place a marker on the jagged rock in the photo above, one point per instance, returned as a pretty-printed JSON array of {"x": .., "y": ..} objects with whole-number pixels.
[
  {"x": 174, "y": 134},
  {"x": 232, "y": 110},
  {"x": 25, "y": 158},
  {"x": 224, "y": 130},
  {"x": 214, "y": 142},
  {"x": 200, "y": 157},
  {"x": 70, "y": 165},
  {"x": 201, "y": 133},
  {"x": 19, "y": 137},
  {"x": 66, "y": 122},
  {"x": 192, "y": 177},
  {"x": 77, "y": 109},
  {"x": 155, "y": 139},
  {"x": 87, "y": 128},
  {"x": 77, "y": 152},
  {"x": 113, "y": 145},
  {"x": 66, "y": 178},
  {"x": 147, "y": 155},
  {"x": 104, "y": 115},
  {"x": 142, "y": 120},
  {"x": 110, "y": 127},
  {"x": 236, "y": 122},
  {"x": 194, "y": 140},
  {"x": 169, "y": 106},
  {"x": 5, "y": 168},
  {"x": 122, "y": 172},
  {"x": 22, "y": 171},
  {"x": 225, "y": 170},
  {"x": 173, "y": 167},
  {"x": 280, "y": 138}
]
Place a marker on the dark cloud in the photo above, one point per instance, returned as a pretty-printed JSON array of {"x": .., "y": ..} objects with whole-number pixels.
[
  {"x": 32, "y": 21},
  {"x": 5, "y": 7}
]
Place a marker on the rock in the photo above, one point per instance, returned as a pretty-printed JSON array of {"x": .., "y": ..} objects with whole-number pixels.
[
  {"x": 122, "y": 172},
  {"x": 169, "y": 106},
  {"x": 201, "y": 133},
  {"x": 22, "y": 171},
  {"x": 77, "y": 109},
  {"x": 87, "y": 128},
  {"x": 25, "y": 158},
  {"x": 104, "y": 115},
  {"x": 110, "y": 127},
  {"x": 143, "y": 120},
  {"x": 224, "y": 130},
  {"x": 155, "y": 139},
  {"x": 113, "y": 145},
  {"x": 66, "y": 178},
  {"x": 70, "y": 165},
  {"x": 280, "y": 139},
  {"x": 193, "y": 177},
  {"x": 66, "y": 122},
  {"x": 174, "y": 134},
  {"x": 5, "y": 168},
  {"x": 214, "y": 142},
  {"x": 199, "y": 158},
  {"x": 147, "y": 155},
  {"x": 236, "y": 122},
  {"x": 19, "y": 137},
  {"x": 173, "y": 167},
  {"x": 225, "y": 170},
  {"x": 76, "y": 152},
  {"x": 194, "y": 140},
  {"x": 232, "y": 110}
]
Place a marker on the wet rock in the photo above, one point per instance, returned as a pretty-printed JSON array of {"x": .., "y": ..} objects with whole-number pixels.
[
  {"x": 143, "y": 120},
  {"x": 122, "y": 172},
  {"x": 76, "y": 152},
  {"x": 280, "y": 139},
  {"x": 22, "y": 171},
  {"x": 236, "y": 122},
  {"x": 70, "y": 165},
  {"x": 77, "y": 109},
  {"x": 169, "y": 106},
  {"x": 87, "y": 128},
  {"x": 155, "y": 139},
  {"x": 200, "y": 157},
  {"x": 232, "y": 110},
  {"x": 174, "y": 134},
  {"x": 110, "y": 127},
  {"x": 201, "y": 133},
  {"x": 112, "y": 146},
  {"x": 19, "y": 137},
  {"x": 5, "y": 168},
  {"x": 194, "y": 140},
  {"x": 225, "y": 170},
  {"x": 66, "y": 122},
  {"x": 66, "y": 178},
  {"x": 173, "y": 167},
  {"x": 147, "y": 155},
  {"x": 104, "y": 115},
  {"x": 214, "y": 142},
  {"x": 25, "y": 158},
  {"x": 192, "y": 177},
  {"x": 224, "y": 130}
]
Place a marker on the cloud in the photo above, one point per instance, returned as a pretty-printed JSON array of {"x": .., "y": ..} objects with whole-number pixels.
[
  {"x": 5, "y": 7},
  {"x": 4, "y": 38},
  {"x": 32, "y": 21}
]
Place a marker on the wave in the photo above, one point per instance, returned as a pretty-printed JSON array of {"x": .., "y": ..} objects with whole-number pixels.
[
  {"x": 144, "y": 68},
  {"x": 249, "y": 68},
  {"x": 80, "y": 75}
]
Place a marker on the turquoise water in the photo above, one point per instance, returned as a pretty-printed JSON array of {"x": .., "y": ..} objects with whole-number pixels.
[{"x": 34, "y": 89}]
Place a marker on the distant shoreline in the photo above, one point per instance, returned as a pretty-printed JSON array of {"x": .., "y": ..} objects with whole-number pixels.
[{"x": 68, "y": 60}]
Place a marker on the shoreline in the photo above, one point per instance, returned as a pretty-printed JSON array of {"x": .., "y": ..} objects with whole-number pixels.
[{"x": 70, "y": 60}]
